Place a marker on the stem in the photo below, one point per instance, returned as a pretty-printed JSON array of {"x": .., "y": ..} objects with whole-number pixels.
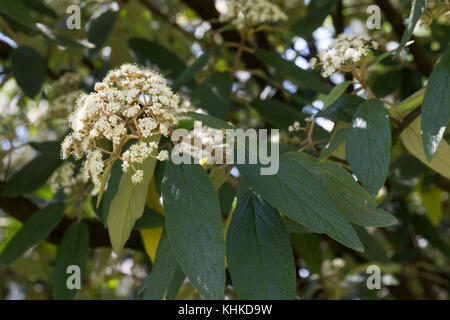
[
  {"x": 236, "y": 45},
  {"x": 237, "y": 59}
]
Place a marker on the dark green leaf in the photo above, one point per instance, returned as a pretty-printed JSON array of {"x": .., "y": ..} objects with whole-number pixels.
[
  {"x": 259, "y": 253},
  {"x": 213, "y": 94},
  {"x": 33, "y": 175},
  {"x": 46, "y": 147},
  {"x": 191, "y": 70},
  {"x": 278, "y": 114},
  {"x": 194, "y": 227},
  {"x": 368, "y": 144},
  {"x": 162, "y": 273},
  {"x": 34, "y": 231},
  {"x": 16, "y": 10},
  {"x": 436, "y": 105},
  {"x": 387, "y": 83},
  {"x": 335, "y": 93},
  {"x": 295, "y": 227},
  {"x": 316, "y": 13},
  {"x": 424, "y": 227},
  {"x": 150, "y": 219},
  {"x": 417, "y": 8},
  {"x": 307, "y": 248},
  {"x": 100, "y": 27},
  {"x": 379, "y": 58},
  {"x": 356, "y": 203},
  {"x": 338, "y": 139},
  {"x": 290, "y": 70},
  {"x": 373, "y": 249},
  {"x": 302, "y": 196},
  {"x": 39, "y": 7},
  {"x": 113, "y": 186},
  {"x": 151, "y": 54},
  {"x": 342, "y": 109},
  {"x": 175, "y": 284},
  {"x": 210, "y": 121},
  {"x": 73, "y": 250},
  {"x": 25, "y": 61}
]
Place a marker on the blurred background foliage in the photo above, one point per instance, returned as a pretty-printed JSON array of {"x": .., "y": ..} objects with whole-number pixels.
[{"x": 171, "y": 34}]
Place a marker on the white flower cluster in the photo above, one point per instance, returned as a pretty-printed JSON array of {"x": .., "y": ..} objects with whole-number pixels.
[
  {"x": 130, "y": 103},
  {"x": 201, "y": 141},
  {"x": 62, "y": 94},
  {"x": 64, "y": 178},
  {"x": 137, "y": 153},
  {"x": 63, "y": 105},
  {"x": 67, "y": 82},
  {"x": 344, "y": 54},
  {"x": 249, "y": 13},
  {"x": 294, "y": 127}
]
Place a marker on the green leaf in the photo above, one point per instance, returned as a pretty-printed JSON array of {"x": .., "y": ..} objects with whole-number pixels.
[
  {"x": 33, "y": 231},
  {"x": 113, "y": 186},
  {"x": 290, "y": 70},
  {"x": 213, "y": 94},
  {"x": 128, "y": 203},
  {"x": 150, "y": 53},
  {"x": 424, "y": 227},
  {"x": 150, "y": 219},
  {"x": 278, "y": 114},
  {"x": 46, "y": 146},
  {"x": 373, "y": 249},
  {"x": 432, "y": 202},
  {"x": 175, "y": 284},
  {"x": 299, "y": 191},
  {"x": 307, "y": 248},
  {"x": 25, "y": 61},
  {"x": 194, "y": 227},
  {"x": 412, "y": 139},
  {"x": 368, "y": 144},
  {"x": 73, "y": 250},
  {"x": 417, "y": 8},
  {"x": 191, "y": 70},
  {"x": 100, "y": 27},
  {"x": 412, "y": 102},
  {"x": 259, "y": 253},
  {"x": 210, "y": 121},
  {"x": 316, "y": 13},
  {"x": 355, "y": 202},
  {"x": 294, "y": 227},
  {"x": 382, "y": 56},
  {"x": 336, "y": 141},
  {"x": 39, "y": 7},
  {"x": 379, "y": 58},
  {"x": 436, "y": 105},
  {"x": 342, "y": 109},
  {"x": 387, "y": 83},
  {"x": 33, "y": 175},
  {"x": 16, "y": 10},
  {"x": 335, "y": 93},
  {"x": 162, "y": 273},
  {"x": 103, "y": 182}
]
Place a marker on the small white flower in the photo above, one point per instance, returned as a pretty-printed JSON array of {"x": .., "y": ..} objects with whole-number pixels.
[
  {"x": 250, "y": 13},
  {"x": 163, "y": 155},
  {"x": 344, "y": 54},
  {"x": 137, "y": 177},
  {"x": 129, "y": 103}
]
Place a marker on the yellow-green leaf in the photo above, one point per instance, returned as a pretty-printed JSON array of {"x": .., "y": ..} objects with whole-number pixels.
[
  {"x": 412, "y": 140},
  {"x": 128, "y": 203}
]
